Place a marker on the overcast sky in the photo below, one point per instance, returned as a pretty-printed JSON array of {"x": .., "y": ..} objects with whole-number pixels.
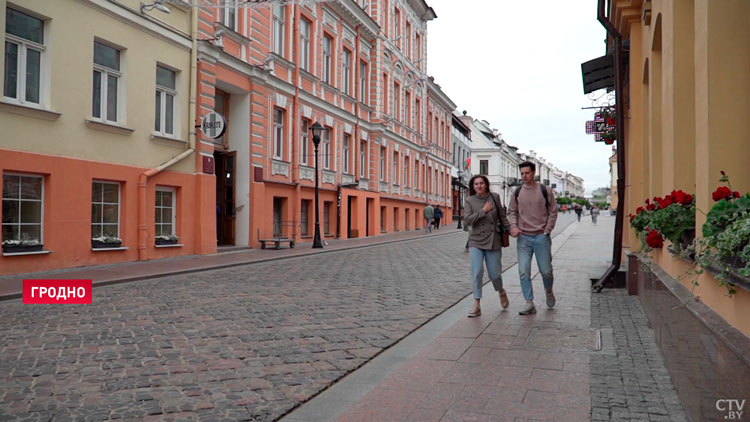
[{"x": 517, "y": 64}]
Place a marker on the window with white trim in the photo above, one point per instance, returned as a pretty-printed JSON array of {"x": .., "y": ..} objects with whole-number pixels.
[
  {"x": 406, "y": 171},
  {"x": 304, "y": 34},
  {"x": 166, "y": 90},
  {"x": 396, "y": 101},
  {"x": 106, "y": 82},
  {"x": 407, "y": 41},
  {"x": 416, "y": 175},
  {"x": 362, "y": 158},
  {"x": 363, "y": 76},
  {"x": 304, "y": 149},
  {"x": 394, "y": 175},
  {"x": 346, "y": 71},
  {"x": 23, "y": 205},
  {"x": 278, "y": 29},
  {"x": 407, "y": 108},
  {"x": 165, "y": 211},
  {"x": 228, "y": 15},
  {"x": 327, "y": 148},
  {"x": 24, "y": 53},
  {"x": 382, "y": 164},
  {"x": 105, "y": 209},
  {"x": 327, "y": 46},
  {"x": 278, "y": 133},
  {"x": 346, "y": 152}
]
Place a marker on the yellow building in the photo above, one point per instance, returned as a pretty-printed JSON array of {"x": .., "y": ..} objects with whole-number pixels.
[
  {"x": 686, "y": 107},
  {"x": 97, "y": 149}
]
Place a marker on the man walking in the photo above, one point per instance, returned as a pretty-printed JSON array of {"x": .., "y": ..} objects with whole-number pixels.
[
  {"x": 579, "y": 211},
  {"x": 532, "y": 215},
  {"x": 429, "y": 214},
  {"x": 438, "y": 216}
]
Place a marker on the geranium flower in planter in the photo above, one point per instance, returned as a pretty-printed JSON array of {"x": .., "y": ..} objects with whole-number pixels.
[
  {"x": 25, "y": 245},
  {"x": 104, "y": 242},
  {"x": 654, "y": 239},
  {"x": 166, "y": 239}
]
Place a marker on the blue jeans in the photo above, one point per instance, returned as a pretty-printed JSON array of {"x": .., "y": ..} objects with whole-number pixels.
[
  {"x": 494, "y": 267},
  {"x": 541, "y": 246}
]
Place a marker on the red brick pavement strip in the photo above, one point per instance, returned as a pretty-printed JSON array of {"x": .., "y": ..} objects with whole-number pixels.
[
  {"x": 102, "y": 275},
  {"x": 479, "y": 371}
]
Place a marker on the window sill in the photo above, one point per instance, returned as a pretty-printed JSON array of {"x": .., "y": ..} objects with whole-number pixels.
[
  {"x": 108, "y": 127},
  {"x": 159, "y": 137},
  {"x": 174, "y": 245},
  {"x": 44, "y": 252},
  {"x": 121, "y": 248},
  {"x": 29, "y": 111}
]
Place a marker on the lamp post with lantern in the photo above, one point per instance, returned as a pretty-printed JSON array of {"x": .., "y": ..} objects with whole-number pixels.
[{"x": 316, "y": 130}]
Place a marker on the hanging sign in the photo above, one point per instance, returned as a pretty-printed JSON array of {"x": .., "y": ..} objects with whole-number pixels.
[{"x": 213, "y": 125}]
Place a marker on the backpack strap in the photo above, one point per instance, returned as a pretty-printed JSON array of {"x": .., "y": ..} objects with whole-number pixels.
[{"x": 544, "y": 193}]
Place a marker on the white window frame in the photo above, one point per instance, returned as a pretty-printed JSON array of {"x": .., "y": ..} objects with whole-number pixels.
[
  {"x": 165, "y": 91},
  {"x": 305, "y": 44},
  {"x": 279, "y": 25},
  {"x": 23, "y": 46},
  {"x": 278, "y": 134},
  {"x": 382, "y": 164},
  {"x": 20, "y": 201},
  {"x": 346, "y": 71},
  {"x": 362, "y": 160},
  {"x": 327, "y": 52},
  {"x": 346, "y": 147},
  {"x": 406, "y": 171},
  {"x": 326, "y": 148},
  {"x": 173, "y": 191},
  {"x": 106, "y": 73},
  {"x": 304, "y": 149},
  {"x": 397, "y": 101},
  {"x": 407, "y": 108},
  {"x": 229, "y": 11},
  {"x": 394, "y": 164},
  {"x": 407, "y": 39},
  {"x": 363, "y": 76},
  {"x": 416, "y": 175},
  {"x": 102, "y": 203}
]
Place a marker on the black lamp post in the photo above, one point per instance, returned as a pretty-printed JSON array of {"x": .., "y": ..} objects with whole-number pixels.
[
  {"x": 460, "y": 185},
  {"x": 316, "y": 129}
]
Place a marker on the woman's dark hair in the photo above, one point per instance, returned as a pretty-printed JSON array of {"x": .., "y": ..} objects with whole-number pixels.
[{"x": 471, "y": 183}]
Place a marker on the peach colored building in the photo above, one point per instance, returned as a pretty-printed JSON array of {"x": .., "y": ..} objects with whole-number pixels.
[
  {"x": 357, "y": 68},
  {"x": 102, "y": 160},
  {"x": 96, "y": 150}
]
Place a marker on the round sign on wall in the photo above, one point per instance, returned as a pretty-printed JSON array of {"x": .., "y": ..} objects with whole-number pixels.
[{"x": 213, "y": 125}]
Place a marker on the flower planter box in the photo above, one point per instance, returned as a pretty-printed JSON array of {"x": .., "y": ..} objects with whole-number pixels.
[
  {"x": 104, "y": 245},
  {"x": 22, "y": 248},
  {"x": 166, "y": 242}
]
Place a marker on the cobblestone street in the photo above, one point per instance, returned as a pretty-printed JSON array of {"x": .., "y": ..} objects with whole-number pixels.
[{"x": 245, "y": 343}]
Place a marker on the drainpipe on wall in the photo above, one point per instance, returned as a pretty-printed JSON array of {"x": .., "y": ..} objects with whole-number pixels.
[
  {"x": 296, "y": 205},
  {"x": 620, "y": 127},
  {"x": 143, "y": 180}
]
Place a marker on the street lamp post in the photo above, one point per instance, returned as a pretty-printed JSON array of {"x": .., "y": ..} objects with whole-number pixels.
[
  {"x": 316, "y": 129},
  {"x": 460, "y": 186}
]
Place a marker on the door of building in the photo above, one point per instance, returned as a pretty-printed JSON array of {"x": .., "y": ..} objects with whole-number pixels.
[
  {"x": 278, "y": 212},
  {"x": 348, "y": 217},
  {"x": 367, "y": 217},
  {"x": 225, "y": 190}
]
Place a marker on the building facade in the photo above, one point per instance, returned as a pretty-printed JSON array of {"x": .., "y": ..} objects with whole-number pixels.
[
  {"x": 271, "y": 69},
  {"x": 357, "y": 69},
  {"x": 686, "y": 89},
  {"x": 97, "y": 152},
  {"x": 460, "y": 171}
]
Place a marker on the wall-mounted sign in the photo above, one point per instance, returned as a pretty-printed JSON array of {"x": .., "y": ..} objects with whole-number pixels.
[{"x": 213, "y": 125}]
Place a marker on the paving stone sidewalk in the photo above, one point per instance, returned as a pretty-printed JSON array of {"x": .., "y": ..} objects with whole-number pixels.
[{"x": 506, "y": 367}]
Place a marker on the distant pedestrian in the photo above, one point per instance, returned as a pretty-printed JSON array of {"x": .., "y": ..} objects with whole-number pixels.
[
  {"x": 564, "y": 209},
  {"x": 532, "y": 215},
  {"x": 485, "y": 216},
  {"x": 429, "y": 214},
  {"x": 579, "y": 211},
  {"x": 438, "y": 216},
  {"x": 594, "y": 213}
]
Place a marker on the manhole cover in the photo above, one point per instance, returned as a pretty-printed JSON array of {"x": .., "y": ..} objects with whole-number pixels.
[{"x": 564, "y": 338}]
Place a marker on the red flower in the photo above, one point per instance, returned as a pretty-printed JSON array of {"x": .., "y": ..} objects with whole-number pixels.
[
  {"x": 736, "y": 194},
  {"x": 639, "y": 210},
  {"x": 664, "y": 203},
  {"x": 648, "y": 201},
  {"x": 680, "y": 197},
  {"x": 631, "y": 218},
  {"x": 651, "y": 207},
  {"x": 721, "y": 193},
  {"x": 654, "y": 239},
  {"x": 722, "y": 173},
  {"x": 687, "y": 199}
]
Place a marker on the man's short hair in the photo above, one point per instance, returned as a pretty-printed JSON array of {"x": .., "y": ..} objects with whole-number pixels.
[{"x": 528, "y": 164}]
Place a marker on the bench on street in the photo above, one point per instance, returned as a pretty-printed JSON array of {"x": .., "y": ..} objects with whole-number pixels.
[{"x": 277, "y": 241}]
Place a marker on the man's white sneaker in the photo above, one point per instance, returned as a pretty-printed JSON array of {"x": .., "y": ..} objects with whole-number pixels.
[
  {"x": 551, "y": 299},
  {"x": 528, "y": 309}
]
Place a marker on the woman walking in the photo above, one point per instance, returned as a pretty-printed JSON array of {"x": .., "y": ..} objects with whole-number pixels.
[{"x": 485, "y": 215}]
